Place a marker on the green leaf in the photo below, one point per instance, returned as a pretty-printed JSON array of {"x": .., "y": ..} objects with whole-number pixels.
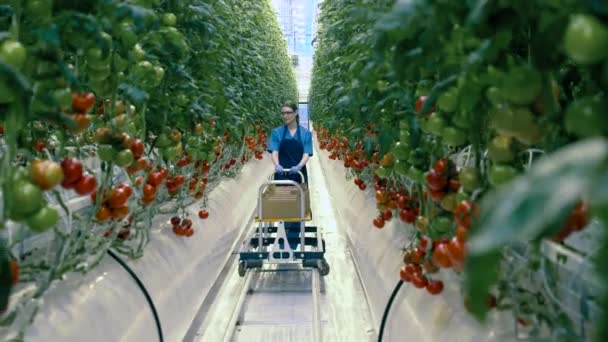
[
  {"x": 523, "y": 209},
  {"x": 477, "y": 282},
  {"x": 134, "y": 94}
]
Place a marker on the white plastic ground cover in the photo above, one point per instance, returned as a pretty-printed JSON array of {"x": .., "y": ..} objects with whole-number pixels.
[
  {"x": 415, "y": 315},
  {"x": 107, "y": 305}
]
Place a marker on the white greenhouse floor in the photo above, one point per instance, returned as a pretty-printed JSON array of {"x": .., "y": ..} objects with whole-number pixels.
[{"x": 280, "y": 305}]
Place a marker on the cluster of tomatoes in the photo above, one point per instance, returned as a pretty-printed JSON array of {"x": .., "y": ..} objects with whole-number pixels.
[
  {"x": 257, "y": 146},
  {"x": 183, "y": 226},
  {"x": 114, "y": 203},
  {"x": 443, "y": 184},
  {"x": 81, "y": 105},
  {"x": 74, "y": 178},
  {"x": 391, "y": 199},
  {"x": 420, "y": 276},
  {"x": 153, "y": 181}
]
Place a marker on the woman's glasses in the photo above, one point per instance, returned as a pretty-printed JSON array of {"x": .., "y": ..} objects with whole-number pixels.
[{"x": 286, "y": 113}]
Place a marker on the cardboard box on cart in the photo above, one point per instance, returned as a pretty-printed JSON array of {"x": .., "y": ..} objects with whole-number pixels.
[{"x": 282, "y": 203}]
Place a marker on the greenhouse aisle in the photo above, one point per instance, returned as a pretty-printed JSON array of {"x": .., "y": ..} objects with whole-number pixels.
[{"x": 280, "y": 305}]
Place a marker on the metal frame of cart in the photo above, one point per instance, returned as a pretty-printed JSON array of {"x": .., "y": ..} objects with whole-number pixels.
[{"x": 269, "y": 244}]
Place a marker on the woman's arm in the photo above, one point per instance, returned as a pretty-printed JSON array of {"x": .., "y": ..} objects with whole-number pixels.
[
  {"x": 304, "y": 160},
  {"x": 275, "y": 157}
]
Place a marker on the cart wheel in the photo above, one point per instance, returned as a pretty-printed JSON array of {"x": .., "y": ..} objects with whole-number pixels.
[
  {"x": 242, "y": 268},
  {"x": 323, "y": 267}
]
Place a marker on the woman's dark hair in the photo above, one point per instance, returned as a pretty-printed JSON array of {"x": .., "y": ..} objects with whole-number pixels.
[{"x": 293, "y": 107}]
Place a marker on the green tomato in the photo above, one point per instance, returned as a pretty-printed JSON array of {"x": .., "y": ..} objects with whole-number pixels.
[
  {"x": 182, "y": 99},
  {"x": 523, "y": 126},
  {"x": 494, "y": 96},
  {"x": 448, "y": 101},
  {"x": 469, "y": 179},
  {"x": 462, "y": 195},
  {"x": 435, "y": 124},
  {"x": 401, "y": 150},
  {"x": 106, "y": 152},
  {"x": 138, "y": 53},
  {"x": 26, "y": 197},
  {"x": 159, "y": 74},
  {"x": 169, "y": 19},
  {"x": 63, "y": 96},
  {"x": 441, "y": 224},
  {"x": 43, "y": 219},
  {"x": 13, "y": 53},
  {"x": 193, "y": 142},
  {"x": 586, "y": 117},
  {"x": 500, "y": 149},
  {"x": 522, "y": 85},
  {"x": 124, "y": 158},
  {"x": 163, "y": 141},
  {"x": 586, "y": 39},
  {"x": 126, "y": 33},
  {"x": 453, "y": 136},
  {"x": 500, "y": 174},
  {"x": 404, "y": 136},
  {"x": 382, "y": 172},
  {"x": 170, "y": 153}
]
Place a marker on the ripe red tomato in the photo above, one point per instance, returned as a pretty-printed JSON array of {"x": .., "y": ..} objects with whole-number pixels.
[
  {"x": 82, "y": 102},
  {"x": 149, "y": 190},
  {"x": 362, "y": 186},
  {"x": 441, "y": 257},
  {"x": 404, "y": 275},
  {"x": 203, "y": 214},
  {"x": 456, "y": 252},
  {"x": 14, "y": 271},
  {"x": 85, "y": 185},
  {"x": 118, "y": 197},
  {"x": 378, "y": 222},
  {"x": 103, "y": 214},
  {"x": 120, "y": 212},
  {"x": 387, "y": 215},
  {"x": 137, "y": 147},
  {"x": 408, "y": 215},
  {"x": 434, "y": 287},
  {"x": 72, "y": 171},
  {"x": 436, "y": 180},
  {"x": 175, "y": 220},
  {"x": 419, "y": 280},
  {"x": 463, "y": 212}
]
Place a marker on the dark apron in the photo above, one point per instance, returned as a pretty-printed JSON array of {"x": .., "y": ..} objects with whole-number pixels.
[{"x": 290, "y": 154}]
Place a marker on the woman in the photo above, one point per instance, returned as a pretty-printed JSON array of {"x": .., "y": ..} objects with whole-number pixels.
[{"x": 290, "y": 145}]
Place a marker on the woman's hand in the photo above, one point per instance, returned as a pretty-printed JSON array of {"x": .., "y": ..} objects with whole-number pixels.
[
  {"x": 278, "y": 168},
  {"x": 295, "y": 169}
]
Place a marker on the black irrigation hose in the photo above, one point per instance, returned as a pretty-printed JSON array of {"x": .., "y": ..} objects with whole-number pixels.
[
  {"x": 143, "y": 289},
  {"x": 388, "y": 308}
]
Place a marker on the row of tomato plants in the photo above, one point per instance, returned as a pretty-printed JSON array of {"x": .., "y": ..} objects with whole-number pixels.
[
  {"x": 447, "y": 117},
  {"x": 140, "y": 107}
]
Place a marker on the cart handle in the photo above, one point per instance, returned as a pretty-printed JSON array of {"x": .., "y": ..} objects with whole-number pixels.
[
  {"x": 282, "y": 182},
  {"x": 286, "y": 172}
]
